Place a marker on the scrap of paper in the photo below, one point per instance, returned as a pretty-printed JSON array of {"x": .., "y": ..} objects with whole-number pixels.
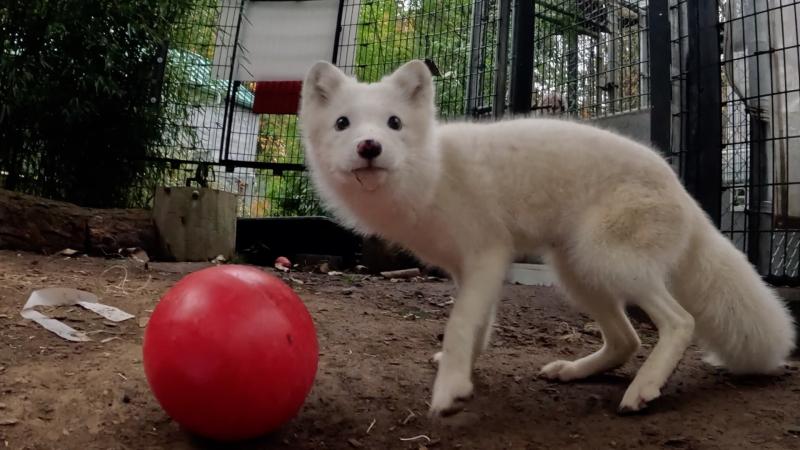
[{"x": 68, "y": 297}]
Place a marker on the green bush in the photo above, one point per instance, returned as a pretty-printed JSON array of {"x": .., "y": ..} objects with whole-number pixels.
[{"x": 79, "y": 96}]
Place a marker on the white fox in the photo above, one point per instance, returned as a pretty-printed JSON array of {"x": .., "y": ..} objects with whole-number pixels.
[{"x": 609, "y": 214}]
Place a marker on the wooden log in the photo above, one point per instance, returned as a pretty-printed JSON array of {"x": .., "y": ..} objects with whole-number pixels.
[
  {"x": 40, "y": 225},
  {"x": 402, "y": 274}
]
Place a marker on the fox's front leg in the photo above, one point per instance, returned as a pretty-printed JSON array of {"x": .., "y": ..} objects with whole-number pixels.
[{"x": 480, "y": 283}]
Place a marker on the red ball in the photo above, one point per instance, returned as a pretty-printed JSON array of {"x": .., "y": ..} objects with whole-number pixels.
[{"x": 230, "y": 352}]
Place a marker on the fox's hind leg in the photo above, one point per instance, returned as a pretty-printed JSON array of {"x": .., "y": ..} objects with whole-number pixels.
[
  {"x": 675, "y": 329},
  {"x": 620, "y": 341},
  {"x": 628, "y": 246}
]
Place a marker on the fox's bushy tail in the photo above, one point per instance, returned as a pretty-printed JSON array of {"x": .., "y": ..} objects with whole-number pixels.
[{"x": 739, "y": 320}]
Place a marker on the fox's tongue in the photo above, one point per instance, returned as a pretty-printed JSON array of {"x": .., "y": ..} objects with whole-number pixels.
[{"x": 370, "y": 179}]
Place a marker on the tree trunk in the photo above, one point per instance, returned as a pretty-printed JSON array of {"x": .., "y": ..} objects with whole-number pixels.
[{"x": 46, "y": 226}]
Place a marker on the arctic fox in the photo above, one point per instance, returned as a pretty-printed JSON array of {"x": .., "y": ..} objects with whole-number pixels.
[{"x": 609, "y": 214}]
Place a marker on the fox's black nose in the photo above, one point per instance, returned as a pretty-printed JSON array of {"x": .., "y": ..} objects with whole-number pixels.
[{"x": 369, "y": 149}]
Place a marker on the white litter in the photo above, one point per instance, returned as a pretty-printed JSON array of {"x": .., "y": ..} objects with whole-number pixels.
[{"x": 67, "y": 297}]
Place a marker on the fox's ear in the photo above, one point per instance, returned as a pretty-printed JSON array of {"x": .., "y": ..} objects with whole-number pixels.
[
  {"x": 415, "y": 80},
  {"x": 322, "y": 80}
]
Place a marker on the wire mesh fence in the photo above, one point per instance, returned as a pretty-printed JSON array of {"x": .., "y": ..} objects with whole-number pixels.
[
  {"x": 455, "y": 37},
  {"x": 761, "y": 132},
  {"x": 726, "y": 85},
  {"x": 590, "y": 57}
]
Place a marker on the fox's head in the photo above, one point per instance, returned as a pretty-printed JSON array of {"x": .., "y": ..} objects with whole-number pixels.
[{"x": 365, "y": 139}]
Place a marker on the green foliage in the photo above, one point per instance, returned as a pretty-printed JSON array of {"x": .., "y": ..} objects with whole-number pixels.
[
  {"x": 392, "y": 33},
  {"x": 80, "y": 92},
  {"x": 288, "y": 193}
]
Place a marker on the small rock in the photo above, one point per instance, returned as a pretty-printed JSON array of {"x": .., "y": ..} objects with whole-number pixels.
[
  {"x": 143, "y": 321},
  {"x": 592, "y": 401},
  {"x": 650, "y": 430},
  {"x": 355, "y": 443},
  {"x": 793, "y": 429},
  {"x": 324, "y": 268},
  {"x": 676, "y": 442},
  {"x": 347, "y": 291},
  {"x": 8, "y": 422},
  {"x": 592, "y": 330}
]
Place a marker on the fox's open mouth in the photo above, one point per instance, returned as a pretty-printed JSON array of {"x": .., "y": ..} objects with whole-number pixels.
[{"x": 370, "y": 178}]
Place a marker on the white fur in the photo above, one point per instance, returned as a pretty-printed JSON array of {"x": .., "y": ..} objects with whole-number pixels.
[{"x": 610, "y": 214}]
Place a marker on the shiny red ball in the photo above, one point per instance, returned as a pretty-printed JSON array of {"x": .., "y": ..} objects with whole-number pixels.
[{"x": 230, "y": 352}]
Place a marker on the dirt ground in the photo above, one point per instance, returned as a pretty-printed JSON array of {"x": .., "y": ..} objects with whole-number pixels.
[{"x": 374, "y": 378}]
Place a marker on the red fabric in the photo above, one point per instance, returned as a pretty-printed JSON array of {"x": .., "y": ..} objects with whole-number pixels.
[{"x": 277, "y": 97}]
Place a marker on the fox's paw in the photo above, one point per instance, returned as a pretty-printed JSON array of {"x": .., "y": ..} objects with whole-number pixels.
[
  {"x": 561, "y": 370},
  {"x": 451, "y": 392},
  {"x": 638, "y": 395}
]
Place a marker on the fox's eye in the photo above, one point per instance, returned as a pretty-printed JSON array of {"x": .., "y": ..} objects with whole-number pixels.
[
  {"x": 394, "y": 123},
  {"x": 342, "y": 123}
]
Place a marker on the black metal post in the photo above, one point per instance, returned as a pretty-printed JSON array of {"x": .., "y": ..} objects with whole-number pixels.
[
  {"x": 338, "y": 35},
  {"x": 157, "y": 73},
  {"x": 230, "y": 92},
  {"x": 229, "y": 120},
  {"x": 572, "y": 72},
  {"x": 503, "y": 25},
  {"x": 522, "y": 49},
  {"x": 476, "y": 59},
  {"x": 757, "y": 188},
  {"x": 660, "y": 84},
  {"x": 703, "y": 168}
]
